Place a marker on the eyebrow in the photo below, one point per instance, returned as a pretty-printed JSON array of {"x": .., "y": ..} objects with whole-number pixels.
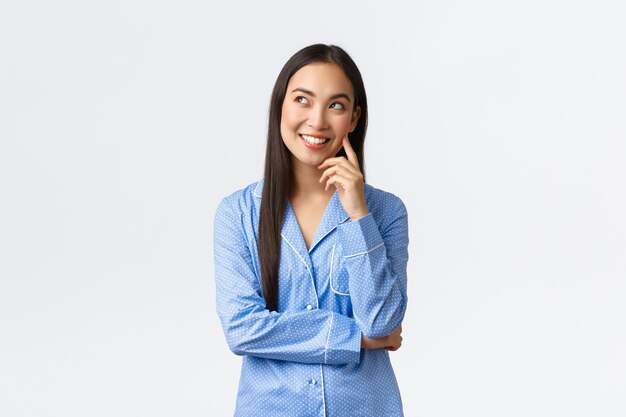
[{"x": 305, "y": 91}]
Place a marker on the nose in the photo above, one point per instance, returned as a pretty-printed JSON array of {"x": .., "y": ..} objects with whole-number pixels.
[{"x": 317, "y": 118}]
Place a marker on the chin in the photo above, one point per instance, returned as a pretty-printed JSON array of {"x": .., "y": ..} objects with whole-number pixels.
[{"x": 312, "y": 161}]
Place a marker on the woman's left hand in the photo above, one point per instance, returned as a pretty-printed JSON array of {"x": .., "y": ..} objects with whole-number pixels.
[{"x": 347, "y": 178}]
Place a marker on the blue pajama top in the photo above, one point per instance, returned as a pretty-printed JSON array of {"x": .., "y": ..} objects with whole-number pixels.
[{"x": 306, "y": 358}]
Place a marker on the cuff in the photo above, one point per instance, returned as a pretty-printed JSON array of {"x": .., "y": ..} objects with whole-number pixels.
[
  {"x": 360, "y": 236},
  {"x": 343, "y": 344}
]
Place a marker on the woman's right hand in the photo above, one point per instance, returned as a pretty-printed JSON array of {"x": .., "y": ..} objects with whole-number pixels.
[{"x": 390, "y": 342}]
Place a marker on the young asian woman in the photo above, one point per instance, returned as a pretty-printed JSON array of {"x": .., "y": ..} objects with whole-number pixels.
[{"x": 310, "y": 261}]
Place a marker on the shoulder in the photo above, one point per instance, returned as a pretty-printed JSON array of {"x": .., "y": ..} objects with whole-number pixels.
[
  {"x": 388, "y": 210},
  {"x": 383, "y": 201},
  {"x": 241, "y": 201}
]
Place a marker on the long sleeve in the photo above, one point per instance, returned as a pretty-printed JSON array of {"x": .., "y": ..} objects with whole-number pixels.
[
  {"x": 376, "y": 262},
  {"x": 307, "y": 336}
]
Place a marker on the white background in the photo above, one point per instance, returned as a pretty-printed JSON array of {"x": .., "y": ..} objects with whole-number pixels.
[{"x": 501, "y": 125}]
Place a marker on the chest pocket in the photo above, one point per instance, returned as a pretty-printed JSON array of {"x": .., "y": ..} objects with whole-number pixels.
[{"x": 339, "y": 279}]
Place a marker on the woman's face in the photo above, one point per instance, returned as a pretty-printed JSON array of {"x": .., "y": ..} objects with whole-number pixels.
[{"x": 317, "y": 113}]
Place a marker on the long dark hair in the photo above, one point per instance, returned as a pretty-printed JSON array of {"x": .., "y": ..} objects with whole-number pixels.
[{"x": 278, "y": 176}]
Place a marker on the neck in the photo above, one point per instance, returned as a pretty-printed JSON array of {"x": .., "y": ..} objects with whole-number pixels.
[{"x": 306, "y": 182}]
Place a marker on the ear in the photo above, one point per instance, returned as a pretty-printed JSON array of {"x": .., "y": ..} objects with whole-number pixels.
[{"x": 355, "y": 118}]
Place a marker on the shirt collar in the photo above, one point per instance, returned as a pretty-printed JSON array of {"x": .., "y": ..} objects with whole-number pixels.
[
  {"x": 258, "y": 190},
  {"x": 333, "y": 216}
]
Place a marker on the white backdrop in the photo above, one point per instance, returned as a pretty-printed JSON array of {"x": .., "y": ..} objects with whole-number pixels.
[{"x": 499, "y": 123}]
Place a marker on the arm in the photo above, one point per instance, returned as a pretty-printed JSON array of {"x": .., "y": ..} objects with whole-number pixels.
[
  {"x": 308, "y": 336},
  {"x": 376, "y": 264},
  {"x": 375, "y": 258},
  {"x": 391, "y": 342}
]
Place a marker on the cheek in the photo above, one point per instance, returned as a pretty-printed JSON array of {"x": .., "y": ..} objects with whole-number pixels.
[
  {"x": 291, "y": 117},
  {"x": 342, "y": 124}
]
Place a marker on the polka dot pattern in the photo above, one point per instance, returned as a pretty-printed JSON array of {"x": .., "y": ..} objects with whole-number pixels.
[{"x": 305, "y": 359}]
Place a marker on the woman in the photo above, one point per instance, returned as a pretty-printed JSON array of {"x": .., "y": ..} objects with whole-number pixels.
[{"x": 310, "y": 262}]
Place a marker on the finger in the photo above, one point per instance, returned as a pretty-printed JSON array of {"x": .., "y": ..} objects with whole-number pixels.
[
  {"x": 342, "y": 165},
  {"x": 344, "y": 169},
  {"x": 346, "y": 181},
  {"x": 336, "y": 180},
  {"x": 332, "y": 161},
  {"x": 347, "y": 146},
  {"x": 339, "y": 170}
]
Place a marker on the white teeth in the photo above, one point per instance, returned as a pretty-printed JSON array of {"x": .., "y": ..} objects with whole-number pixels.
[{"x": 313, "y": 140}]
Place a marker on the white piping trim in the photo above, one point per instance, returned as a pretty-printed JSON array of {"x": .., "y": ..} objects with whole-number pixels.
[
  {"x": 330, "y": 278},
  {"x": 254, "y": 192},
  {"x": 326, "y": 234},
  {"x": 332, "y": 317},
  {"x": 317, "y": 301},
  {"x": 364, "y": 253},
  {"x": 323, "y": 391}
]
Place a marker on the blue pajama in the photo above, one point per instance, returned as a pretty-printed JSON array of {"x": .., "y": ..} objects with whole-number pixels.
[{"x": 306, "y": 358}]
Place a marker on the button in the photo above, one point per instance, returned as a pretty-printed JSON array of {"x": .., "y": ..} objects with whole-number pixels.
[
  {"x": 309, "y": 307},
  {"x": 312, "y": 381}
]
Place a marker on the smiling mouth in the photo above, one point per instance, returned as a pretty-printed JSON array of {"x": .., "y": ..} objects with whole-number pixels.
[{"x": 315, "y": 141}]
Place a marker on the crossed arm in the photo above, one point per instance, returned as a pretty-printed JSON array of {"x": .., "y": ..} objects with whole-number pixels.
[{"x": 318, "y": 335}]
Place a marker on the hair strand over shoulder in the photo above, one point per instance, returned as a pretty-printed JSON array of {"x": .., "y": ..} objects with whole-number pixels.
[{"x": 277, "y": 180}]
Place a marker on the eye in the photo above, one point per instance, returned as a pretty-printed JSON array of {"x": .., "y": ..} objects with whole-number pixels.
[
  {"x": 337, "y": 106},
  {"x": 302, "y": 100}
]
